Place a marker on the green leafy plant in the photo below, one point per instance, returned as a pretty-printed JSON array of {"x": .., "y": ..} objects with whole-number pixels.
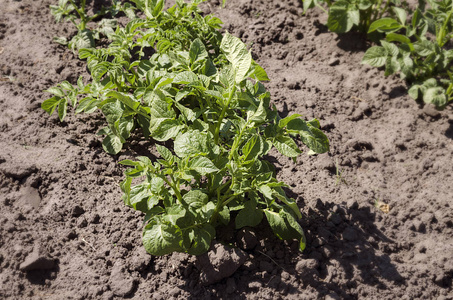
[
  {"x": 76, "y": 13},
  {"x": 345, "y": 15},
  {"x": 418, "y": 49},
  {"x": 184, "y": 84},
  {"x": 217, "y": 167}
]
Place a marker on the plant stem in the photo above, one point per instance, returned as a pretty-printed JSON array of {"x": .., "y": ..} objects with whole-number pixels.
[
  {"x": 81, "y": 13},
  {"x": 222, "y": 115},
  {"x": 237, "y": 140}
]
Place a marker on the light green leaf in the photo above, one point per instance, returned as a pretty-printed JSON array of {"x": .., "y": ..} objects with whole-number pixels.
[
  {"x": 395, "y": 37},
  {"x": 126, "y": 99},
  {"x": 167, "y": 129},
  {"x": 391, "y": 49},
  {"x": 286, "y": 146},
  {"x": 161, "y": 238},
  {"x": 424, "y": 47},
  {"x": 195, "y": 198},
  {"x": 191, "y": 143},
  {"x": 401, "y": 14},
  {"x": 435, "y": 95},
  {"x": 342, "y": 16},
  {"x": 202, "y": 165},
  {"x": 112, "y": 111},
  {"x": 391, "y": 66},
  {"x": 385, "y": 25},
  {"x": 62, "y": 109},
  {"x": 311, "y": 136},
  {"x": 237, "y": 54},
  {"x": 185, "y": 77},
  {"x": 50, "y": 104},
  {"x": 259, "y": 73},
  {"x": 112, "y": 144},
  {"x": 280, "y": 226},
  {"x": 375, "y": 56},
  {"x": 165, "y": 153}
]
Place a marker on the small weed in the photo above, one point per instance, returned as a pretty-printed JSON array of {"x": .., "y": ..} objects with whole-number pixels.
[{"x": 339, "y": 174}]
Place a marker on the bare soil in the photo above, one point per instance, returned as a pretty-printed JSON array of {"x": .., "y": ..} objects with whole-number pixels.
[{"x": 377, "y": 208}]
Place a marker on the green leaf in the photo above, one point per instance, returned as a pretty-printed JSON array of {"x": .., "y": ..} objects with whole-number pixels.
[
  {"x": 311, "y": 136},
  {"x": 286, "y": 146},
  {"x": 83, "y": 39},
  {"x": 62, "y": 109},
  {"x": 375, "y": 56},
  {"x": 237, "y": 54},
  {"x": 185, "y": 77},
  {"x": 342, "y": 16},
  {"x": 435, "y": 95},
  {"x": 424, "y": 47},
  {"x": 391, "y": 66},
  {"x": 202, "y": 165},
  {"x": 112, "y": 111},
  {"x": 50, "y": 104},
  {"x": 161, "y": 238},
  {"x": 57, "y": 91},
  {"x": 385, "y": 25},
  {"x": 414, "y": 91},
  {"x": 249, "y": 215},
  {"x": 395, "y": 37},
  {"x": 391, "y": 49},
  {"x": 401, "y": 14},
  {"x": 201, "y": 238},
  {"x": 126, "y": 99},
  {"x": 195, "y": 198},
  {"x": 259, "y": 73},
  {"x": 112, "y": 144},
  {"x": 197, "y": 51},
  {"x": 280, "y": 226},
  {"x": 165, "y": 153},
  {"x": 191, "y": 143},
  {"x": 167, "y": 129}
]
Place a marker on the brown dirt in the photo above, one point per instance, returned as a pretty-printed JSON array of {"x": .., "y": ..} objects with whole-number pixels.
[{"x": 65, "y": 233}]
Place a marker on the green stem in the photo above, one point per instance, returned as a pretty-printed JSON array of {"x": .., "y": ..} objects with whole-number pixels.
[
  {"x": 222, "y": 115},
  {"x": 81, "y": 13},
  {"x": 322, "y": 8},
  {"x": 237, "y": 140},
  {"x": 443, "y": 30},
  {"x": 377, "y": 10},
  {"x": 174, "y": 185},
  {"x": 381, "y": 13}
]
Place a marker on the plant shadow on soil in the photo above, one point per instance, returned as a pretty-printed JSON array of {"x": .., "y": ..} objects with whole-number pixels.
[
  {"x": 341, "y": 241},
  {"x": 348, "y": 239}
]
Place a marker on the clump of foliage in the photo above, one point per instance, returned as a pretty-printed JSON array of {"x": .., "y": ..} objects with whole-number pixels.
[
  {"x": 419, "y": 49},
  {"x": 182, "y": 82},
  {"x": 346, "y": 15},
  {"x": 76, "y": 12}
]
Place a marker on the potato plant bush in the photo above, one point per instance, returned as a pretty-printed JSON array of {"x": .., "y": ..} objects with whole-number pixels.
[
  {"x": 416, "y": 42},
  {"x": 178, "y": 79}
]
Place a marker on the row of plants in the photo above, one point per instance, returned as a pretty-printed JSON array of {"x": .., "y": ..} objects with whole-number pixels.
[
  {"x": 171, "y": 76},
  {"x": 412, "y": 43}
]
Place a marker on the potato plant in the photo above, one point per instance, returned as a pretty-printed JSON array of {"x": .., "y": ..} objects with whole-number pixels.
[
  {"x": 419, "y": 50},
  {"x": 347, "y": 15},
  {"x": 182, "y": 82},
  {"x": 76, "y": 12}
]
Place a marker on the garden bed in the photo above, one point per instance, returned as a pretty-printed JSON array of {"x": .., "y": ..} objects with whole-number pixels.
[{"x": 376, "y": 209}]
